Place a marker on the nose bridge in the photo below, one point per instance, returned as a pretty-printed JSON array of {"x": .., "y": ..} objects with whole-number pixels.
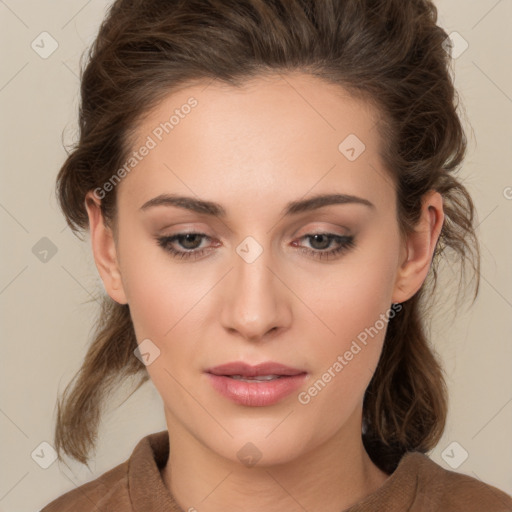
[{"x": 255, "y": 304}]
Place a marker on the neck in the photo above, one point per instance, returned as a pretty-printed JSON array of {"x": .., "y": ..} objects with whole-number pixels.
[{"x": 332, "y": 477}]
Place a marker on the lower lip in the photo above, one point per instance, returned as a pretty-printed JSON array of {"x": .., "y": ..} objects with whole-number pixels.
[{"x": 256, "y": 394}]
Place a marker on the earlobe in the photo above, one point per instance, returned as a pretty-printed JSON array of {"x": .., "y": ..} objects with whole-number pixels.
[
  {"x": 416, "y": 257},
  {"x": 104, "y": 250}
]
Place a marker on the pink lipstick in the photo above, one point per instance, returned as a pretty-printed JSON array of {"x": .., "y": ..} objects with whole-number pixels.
[{"x": 256, "y": 386}]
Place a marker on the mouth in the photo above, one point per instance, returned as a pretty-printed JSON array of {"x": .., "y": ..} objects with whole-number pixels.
[
  {"x": 259, "y": 385},
  {"x": 261, "y": 372},
  {"x": 260, "y": 378}
]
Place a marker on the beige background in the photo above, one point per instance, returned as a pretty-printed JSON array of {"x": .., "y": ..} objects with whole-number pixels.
[{"x": 45, "y": 314}]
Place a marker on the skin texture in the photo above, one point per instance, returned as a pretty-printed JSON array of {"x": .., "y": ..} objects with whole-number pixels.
[{"x": 253, "y": 150}]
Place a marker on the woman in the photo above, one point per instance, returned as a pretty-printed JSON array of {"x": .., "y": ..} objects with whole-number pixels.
[{"x": 269, "y": 187}]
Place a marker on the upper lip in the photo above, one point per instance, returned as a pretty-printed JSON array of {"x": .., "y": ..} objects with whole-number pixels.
[{"x": 246, "y": 370}]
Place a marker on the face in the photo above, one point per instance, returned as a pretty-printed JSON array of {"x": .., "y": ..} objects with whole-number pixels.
[{"x": 310, "y": 288}]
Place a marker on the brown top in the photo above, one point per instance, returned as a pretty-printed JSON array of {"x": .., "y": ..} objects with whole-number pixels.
[{"x": 417, "y": 484}]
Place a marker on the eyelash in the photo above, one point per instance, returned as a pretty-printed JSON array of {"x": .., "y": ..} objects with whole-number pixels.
[{"x": 346, "y": 243}]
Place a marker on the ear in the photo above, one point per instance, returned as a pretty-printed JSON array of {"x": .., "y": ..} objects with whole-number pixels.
[
  {"x": 419, "y": 248},
  {"x": 104, "y": 250}
]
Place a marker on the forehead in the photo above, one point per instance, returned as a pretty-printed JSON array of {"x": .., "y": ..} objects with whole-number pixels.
[{"x": 281, "y": 133}]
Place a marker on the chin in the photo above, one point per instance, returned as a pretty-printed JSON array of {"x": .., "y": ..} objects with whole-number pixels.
[{"x": 262, "y": 447}]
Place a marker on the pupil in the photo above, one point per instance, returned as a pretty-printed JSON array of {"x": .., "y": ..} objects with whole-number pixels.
[
  {"x": 187, "y": 239},
  {"x": 323, "y": 246}
]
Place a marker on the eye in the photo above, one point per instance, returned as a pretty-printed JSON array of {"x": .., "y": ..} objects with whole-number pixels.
[
  {"x": 191, "y": 242},
  {"x": 324, "y": 240},
  {"x": 188, "y": 241}
]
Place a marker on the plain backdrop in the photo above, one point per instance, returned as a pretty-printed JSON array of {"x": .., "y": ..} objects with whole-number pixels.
[{"x": 47, "y": 311}]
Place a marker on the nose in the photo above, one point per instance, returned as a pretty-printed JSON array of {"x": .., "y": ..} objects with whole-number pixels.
[{"x": 256, "y": 301}]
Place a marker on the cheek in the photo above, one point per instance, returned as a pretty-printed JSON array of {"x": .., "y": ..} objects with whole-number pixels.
[
  {"x": 152, "y": 302},
  {"x": 165, "y": 310},
  {"x": 355, "y": 305},
  {"x": 155, "y": 287},
  {"x": 168, "y": 305},
  {"x": 353, "y": 297}
]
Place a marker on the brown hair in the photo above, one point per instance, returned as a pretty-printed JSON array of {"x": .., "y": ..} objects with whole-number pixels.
[{"x": 390, "y": 53}]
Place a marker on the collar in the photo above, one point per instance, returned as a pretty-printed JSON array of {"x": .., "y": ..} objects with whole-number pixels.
[
  {"x": 146, "y": 488},
  {"x": 148, "y": 492}
]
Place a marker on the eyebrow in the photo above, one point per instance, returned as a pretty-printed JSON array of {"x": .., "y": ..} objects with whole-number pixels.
[{"x": 216, "y": 210}]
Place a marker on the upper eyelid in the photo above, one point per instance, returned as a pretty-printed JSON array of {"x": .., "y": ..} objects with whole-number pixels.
[
  {"x": 313, "y": 230},
  {"x": 319, "y": 217}
]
